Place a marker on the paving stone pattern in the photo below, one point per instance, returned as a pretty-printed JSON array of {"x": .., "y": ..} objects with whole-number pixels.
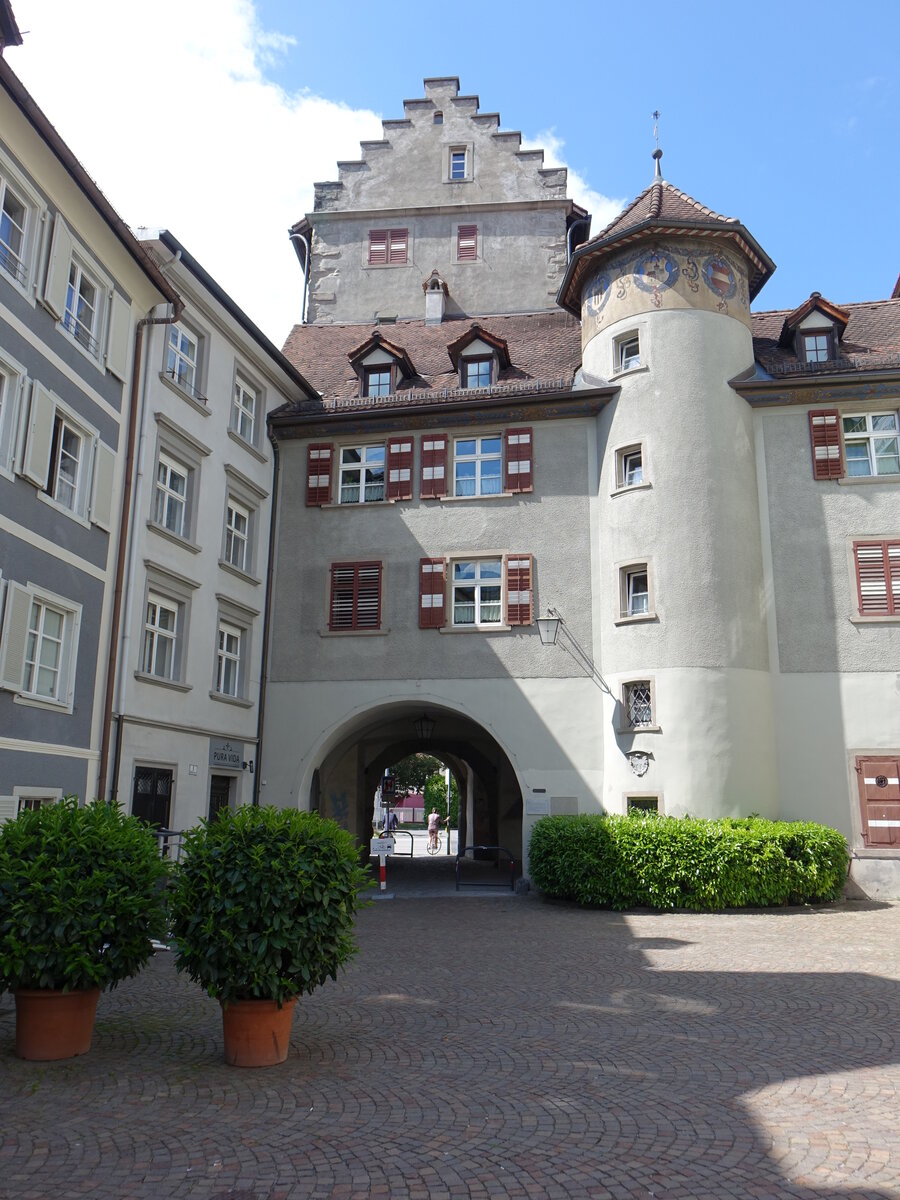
[{"x": 500, "y": 1047}]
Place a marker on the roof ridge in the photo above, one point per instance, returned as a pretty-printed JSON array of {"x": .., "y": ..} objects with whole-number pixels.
[{"x": 703, "y": 208}]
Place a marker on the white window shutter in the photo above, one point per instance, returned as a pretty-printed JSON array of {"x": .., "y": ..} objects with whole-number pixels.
[
  {"x": 8, "y": 808},
  {"x": 57, "y": 281},
  {"x": 15, "y": 636},
  {"x": 102, "y": 490},
  {"x": 39, "y": 435},
  {"x": 119, "y": 336}
]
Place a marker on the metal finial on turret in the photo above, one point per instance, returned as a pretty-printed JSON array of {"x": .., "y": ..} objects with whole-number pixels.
[{"x": 657, "y": 153}]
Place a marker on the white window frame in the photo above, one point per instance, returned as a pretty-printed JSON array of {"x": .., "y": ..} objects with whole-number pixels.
[
  {"x": 868, "y": 438},
  {"x": 362, "y": 467},
  {"x": 24, "y": 281},
  {"x": 175, "y": 592},
  {"x": 88, "y": 336},
  {"x": 480, "y": 458},
  {"x": 625, "y": 482},
  {"x": 174, "y": 356},
  {"x": 29, "y": 798},
  {"x": 165, "y": 495},
  {"x": 476, "y": 584},
  {"x": 624, "y": 357},
  {"x": 12, "y": 388},
  {"x": 88, "y": 462},
  {"x": 235, "y": 536},
  {"x": 235, "y": 620},
  {"x": 244, "y": 415},
  {"x": 229, "y": 659},
  {"x": 63, "y": 697},
  {"x": 157, "y": 635},
  {"x": 12, "y": 261},
  {"x": 636, "y": 591}
]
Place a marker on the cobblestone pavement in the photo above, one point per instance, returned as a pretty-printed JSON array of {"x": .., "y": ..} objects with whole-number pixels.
[{"x": 499, "y": 1047}]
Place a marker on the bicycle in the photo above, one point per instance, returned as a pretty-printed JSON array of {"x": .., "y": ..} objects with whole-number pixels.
[{"x": 435, "y": 846}]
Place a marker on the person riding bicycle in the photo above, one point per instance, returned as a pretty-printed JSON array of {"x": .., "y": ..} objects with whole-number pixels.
[{"x": 434, "y": 825}]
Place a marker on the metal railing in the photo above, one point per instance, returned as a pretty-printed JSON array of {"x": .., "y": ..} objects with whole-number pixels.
[
  {"x": 169, "y": 842},
  {"x": 497, "y": 850},
  {"x": 395, "y": 833}
]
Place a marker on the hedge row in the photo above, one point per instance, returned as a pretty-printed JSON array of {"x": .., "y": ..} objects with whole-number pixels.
[{"x": 684, "y": 862}]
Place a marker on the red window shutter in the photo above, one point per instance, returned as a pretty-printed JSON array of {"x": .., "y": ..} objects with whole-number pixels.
[
  {"x": 355, "y": 596},
  {"x": 877, "y": 578},
  {"x": 825, "y": 436},
  {"x": 432, "y": 587},
  {"x": 518, "y": 589},
  {"x": 434, "y": 465},
  {"x": 518, "y": 470},
  {"x": 399, "y": 468},
  {"x": 319, "y": 460},
  {"x": 466, "y": 243},
  {"x": 378, "y": 246},
  {"x": 398, "y": 240}
]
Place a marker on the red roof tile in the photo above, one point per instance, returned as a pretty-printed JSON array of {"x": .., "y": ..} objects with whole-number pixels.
[{"x": 871, "y": 340}]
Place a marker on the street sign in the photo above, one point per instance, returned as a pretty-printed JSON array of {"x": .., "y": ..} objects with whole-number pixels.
[{"x": 382, "y": 846}]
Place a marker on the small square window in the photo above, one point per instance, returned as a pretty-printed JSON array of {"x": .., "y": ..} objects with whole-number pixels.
[
  {"x": 476, "y": 372},
  {"x": 816, "y": 347},
  {"x": 638, "y": 704},
  {"x": 641, "y": 805},
  {"x": 377, "y": 381},
  {"x": 388, "y": 247},
  {"x": 355, "y": 597},
  {"x": 457, "y": 164},
  {"x": 628, "y": 352},
  {"x": 33, "y": 803},
  {"x": 629, "y": 467}
]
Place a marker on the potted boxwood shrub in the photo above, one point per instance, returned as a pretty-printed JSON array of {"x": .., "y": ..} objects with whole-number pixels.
[
  {"x": 81, "y": 899},
  {"x": 262, "y": 908}
]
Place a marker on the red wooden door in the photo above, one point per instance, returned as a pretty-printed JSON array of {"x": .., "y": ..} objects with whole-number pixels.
[{"x": 879, "y": 798}]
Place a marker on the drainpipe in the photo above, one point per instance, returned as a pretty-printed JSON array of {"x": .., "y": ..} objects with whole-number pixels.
[
  {"x": 267, "y": 612},
  {"x": 572, "y": 228},
  {"x": 177, "y": 310},
  {"x": 305, "y": 240}
]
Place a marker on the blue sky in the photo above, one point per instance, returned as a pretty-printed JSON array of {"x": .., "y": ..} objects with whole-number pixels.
[{"x": 214, "y": 117}]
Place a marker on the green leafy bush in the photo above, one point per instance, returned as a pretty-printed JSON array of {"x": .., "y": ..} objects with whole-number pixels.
[
  {"x": 621, "y": 862},
  {"x": 81, "y": 897},
  {"x": 263, "y": 903}
]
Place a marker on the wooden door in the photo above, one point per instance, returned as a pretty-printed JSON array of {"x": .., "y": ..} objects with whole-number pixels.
[{"x": 879, "y": 798}]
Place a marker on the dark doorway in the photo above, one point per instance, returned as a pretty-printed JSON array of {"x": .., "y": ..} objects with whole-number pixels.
[
  {"x": 152, "y": 796},
  {"x": 219, "y": 793}
]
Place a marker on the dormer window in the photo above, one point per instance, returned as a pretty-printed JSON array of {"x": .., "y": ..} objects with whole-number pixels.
[
  {"x": 476, "y": 372},
  {"x": 377, "y": 381},
  {"x": 816, "y": 347}
]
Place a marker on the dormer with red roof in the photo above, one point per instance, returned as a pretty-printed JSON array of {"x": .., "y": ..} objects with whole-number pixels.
[
  {"x": 814, "y": 330},
  {"x": 380, "y": 366}
]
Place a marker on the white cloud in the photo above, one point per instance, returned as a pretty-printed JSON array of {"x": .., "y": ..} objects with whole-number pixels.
[
  {"x": 603, "y": 209},
  {"x": 169, "y": 109}
]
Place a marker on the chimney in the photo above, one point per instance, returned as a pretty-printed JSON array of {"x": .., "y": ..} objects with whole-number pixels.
[{"x": 436, "y": 293}]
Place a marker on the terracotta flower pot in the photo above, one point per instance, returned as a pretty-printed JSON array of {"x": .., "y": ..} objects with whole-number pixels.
[
  {"x": 52, "y": 1024},
  {"x": 257, "y": 1032}
]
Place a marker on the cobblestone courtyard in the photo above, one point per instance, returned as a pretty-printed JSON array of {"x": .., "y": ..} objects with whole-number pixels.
[{"x": 499, "y": 1047}]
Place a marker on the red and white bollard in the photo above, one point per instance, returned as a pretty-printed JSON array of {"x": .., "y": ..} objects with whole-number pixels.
[{"x": 382, "y": 873}]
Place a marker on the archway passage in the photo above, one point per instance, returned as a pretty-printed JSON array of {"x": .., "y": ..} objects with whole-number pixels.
[{"x": 490, "y": 803}]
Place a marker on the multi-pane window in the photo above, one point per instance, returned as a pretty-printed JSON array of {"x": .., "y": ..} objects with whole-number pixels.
[
  {"x": 355, "y": 596},
  {"x": 237, "y": 532},
  {"x": 12, "y": 233},
  {"x": 638, "y": 709},
  {"x": 160, "y": 632},
  {"x": 170, "y": 500},
  {"x": 228, "y": 659},
  {"x": 477, "y": 587},
  {"x": 182, "y": 357},
  {"x": 635, "y": 592},
  {"x": 81, "y": 315},
  {"x": 362, "y": 474},
  {"x": 43, "y": 651},
  {"x": 457, "y": 164},
  {"x": 871, "y": 444},
  {"x": 476, "y": 372},
  {"x": 632, "y": 468},
  {"x": 477, "y": 466},
  {"x": 378, "y": 381},
  {"x": 33, "y": 803},
  {"x": 243, "y": 410},
  {"x": 816, "y": 347},
  {"x": 628, "y": 353},
  {"x": 66, "y": 455}
]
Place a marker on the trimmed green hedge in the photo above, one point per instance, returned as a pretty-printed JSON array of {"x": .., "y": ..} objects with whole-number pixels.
[{"x": 683, "y": 862}]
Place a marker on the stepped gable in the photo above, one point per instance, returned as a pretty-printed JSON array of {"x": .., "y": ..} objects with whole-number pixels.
[
  {"x": 870, "y": 342},
  {"x": 544, "y": 354},
  {"x": 664, "y": 209}
]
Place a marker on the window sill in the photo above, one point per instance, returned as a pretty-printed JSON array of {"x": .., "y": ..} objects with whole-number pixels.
[
  {"x": 888, "y": 620},
  {"x": 248, "y": 446},
  {"x": 29, "y": 700},
  {"x": 637, "y": 619},
  {"x": 875, "y": 852},
  {"x": 632, "y": 729},
  {"x": 631, "y": 487},
  {"x": 233, "y": 570},
  {"x": 170, "y": 536},
  {"x": 620, "y": 374},
  {"x": 454, "y": 182},
  {"x": 175, "y": 684},
  {"x": 24, "y": 289},
  {"x": 477, "y": 628},
  {"x": 865, "y": 480},
  {"x": 360, "y": 504},
  {"x": 200, "y": 405},
  {"x": 46, "y": 498},
  {"x": 339, "y": 633},
  {"x": 369, "y": 266},
  {"x": 479, "y": 496},
  {"x": 235, "y": 701}
]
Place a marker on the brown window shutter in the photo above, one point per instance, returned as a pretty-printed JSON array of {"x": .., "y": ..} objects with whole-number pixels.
[
  {"x": 518, "y": 589},
  {"x": 466, "y": 243},
  {"x": 319, "y": 461},
  {"x": 517, "y": 475},
  {"x": 434, "y": 465},
  {"x": 399, "y": 468},
  {"x": 398, "y": 240},
  {"x": 355, "y": 596},
  {"x": 378, "y": 246},
  {"x": 825, "y": 436},
  {"x": 877, "y": 578},
  {"x": 432, "y": 587}
]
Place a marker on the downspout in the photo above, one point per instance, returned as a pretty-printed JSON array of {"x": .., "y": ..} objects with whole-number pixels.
[
  {"x": 305, "y": 240},
  {"x": 177, "y": 310},
  {"x": 267, "y": 612},
  {"x": 571, "y": 229}
]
